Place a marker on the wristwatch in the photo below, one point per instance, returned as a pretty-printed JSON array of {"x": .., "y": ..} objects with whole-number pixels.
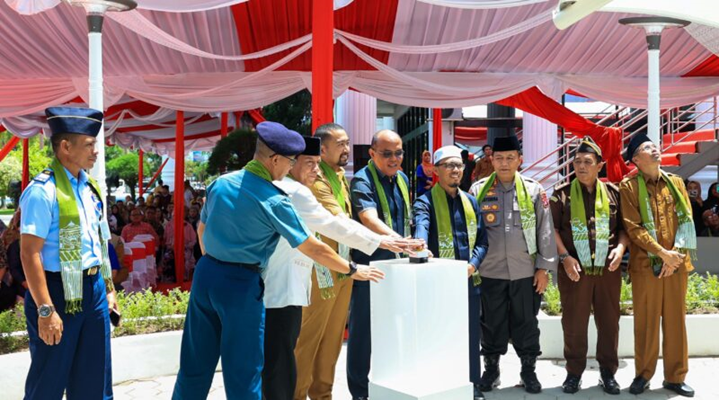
[
  {"x": 562, "y": 257},
  {"x": 353, "y": 268},
  {"x": 45, "y": 310}
]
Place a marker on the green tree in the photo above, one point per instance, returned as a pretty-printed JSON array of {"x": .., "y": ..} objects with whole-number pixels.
[
  {"x": 232, "y": 152},
  {"x": 38, "y": 159},
  {"x": 125, "y": 167},
  {"x": 294, "y": 112},
  {"x": 196, "y": 170},
  {"x": 10, "y": 170}
]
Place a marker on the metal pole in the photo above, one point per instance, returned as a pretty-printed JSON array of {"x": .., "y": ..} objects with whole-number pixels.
[
  {"x": 653, "y": 95},
  {"x": 95, "y": 92}
]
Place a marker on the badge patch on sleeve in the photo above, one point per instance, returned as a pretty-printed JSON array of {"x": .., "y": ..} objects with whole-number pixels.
[
  {"x": 554, "y": 199},
  {"x": 545, "y": 201}
]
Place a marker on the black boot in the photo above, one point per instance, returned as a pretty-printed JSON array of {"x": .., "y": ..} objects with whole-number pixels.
[
  {"x": 490, "y": 377},
  {"x": 529, "y": 378},
  {"x": 572, "y": 384},
  {"x": 607, "y": 381},
  {"x": 478, "y": 395}
]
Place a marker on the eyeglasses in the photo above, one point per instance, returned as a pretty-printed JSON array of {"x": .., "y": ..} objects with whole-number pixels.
[
  {"x": 452, "y": 165},
  {"x": 389, "y": 154},
  {"x": 293, "y": 161}
]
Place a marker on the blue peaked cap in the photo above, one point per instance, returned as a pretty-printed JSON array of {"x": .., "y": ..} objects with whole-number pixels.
[
  {"x": 281, "y": 140},
  {"x": 77, "y": 120}
]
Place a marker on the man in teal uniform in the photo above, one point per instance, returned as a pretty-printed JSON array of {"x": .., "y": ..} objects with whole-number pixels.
[
  {"x": 241, "y": 223},
  {"x": 65, "y": 257}
]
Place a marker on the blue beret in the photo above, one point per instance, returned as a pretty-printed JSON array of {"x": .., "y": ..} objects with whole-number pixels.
[
  {"x": 281, "y": 140},
  {"x": 77, "y": 120}
]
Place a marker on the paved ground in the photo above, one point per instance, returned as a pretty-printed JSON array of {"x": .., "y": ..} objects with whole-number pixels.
[{"x": 702, "y": 372}]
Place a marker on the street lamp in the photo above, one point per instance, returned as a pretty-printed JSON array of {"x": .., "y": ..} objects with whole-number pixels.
[
  {"x": 96, "y": 10},
  {"x": 653, "y": 26}
]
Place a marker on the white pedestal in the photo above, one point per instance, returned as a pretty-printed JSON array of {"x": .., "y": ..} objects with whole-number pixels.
[{"x": 420, "y": 331}]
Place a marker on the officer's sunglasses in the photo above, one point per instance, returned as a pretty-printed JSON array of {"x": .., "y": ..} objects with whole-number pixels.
[
  {"x": 293, "y": 161},
  {"x": 389, "y": 154}
]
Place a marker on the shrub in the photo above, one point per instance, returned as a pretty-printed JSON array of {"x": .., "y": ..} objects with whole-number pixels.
[
  {"x": 702, "y": 296},
  {"x": 142, "y": 312}
]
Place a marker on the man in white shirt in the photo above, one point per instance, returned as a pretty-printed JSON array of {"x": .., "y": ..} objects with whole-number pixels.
[{"x": 288, "y": 274}]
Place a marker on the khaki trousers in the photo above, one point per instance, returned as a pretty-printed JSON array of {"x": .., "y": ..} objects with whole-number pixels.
[
  {"x": 656, "y": 299},
  {"x": 320, "y": 342}
]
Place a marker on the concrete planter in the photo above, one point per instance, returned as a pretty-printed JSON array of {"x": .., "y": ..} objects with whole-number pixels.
[
  {"x": 701, "y": 341},
  {"x": 133, "y": 357}
]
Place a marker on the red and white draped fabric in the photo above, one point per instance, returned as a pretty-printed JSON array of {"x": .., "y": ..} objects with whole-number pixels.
[{"x": 209, "y": 56}]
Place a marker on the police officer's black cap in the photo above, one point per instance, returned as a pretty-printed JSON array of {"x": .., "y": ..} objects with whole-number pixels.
[
  {"x": 506, "y": 144},
  {"x": 313, "y": 146},
  {"x": 587, "y": 145},
  {"x": 634, "y": 144},
  {"x": 74, "y": 120},
  {"x": 279, "y": 139}
]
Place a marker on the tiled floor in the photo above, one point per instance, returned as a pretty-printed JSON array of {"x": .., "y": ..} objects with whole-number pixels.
[{"x": 702, "y": 372}]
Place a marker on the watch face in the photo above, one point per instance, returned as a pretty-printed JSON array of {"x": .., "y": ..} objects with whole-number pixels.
[{"x": 45, "y": 311}]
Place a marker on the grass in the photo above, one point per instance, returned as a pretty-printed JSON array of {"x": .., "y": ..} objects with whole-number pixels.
[
  {"x": 142, "y": 312},
  {"x": 702, "y": 296},
  {"x": 7, "y": 212}
]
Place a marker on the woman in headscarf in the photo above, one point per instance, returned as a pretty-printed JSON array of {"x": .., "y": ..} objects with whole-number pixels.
[{"x": 424, "y": 174}]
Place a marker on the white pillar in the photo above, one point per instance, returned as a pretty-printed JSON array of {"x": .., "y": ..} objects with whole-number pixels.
[
  {"x": 653, "y": 97},
  {"x": 96, "y": 95},
  {"x": 357, "y": 113},
  {"x": 168, "y": 173},
  {"x": 539, "y": 138}
]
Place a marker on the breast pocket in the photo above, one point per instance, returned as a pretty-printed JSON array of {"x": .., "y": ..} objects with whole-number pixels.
[
  {"x": 491, "y": 213},
  {"x": 516, "y": 214}
]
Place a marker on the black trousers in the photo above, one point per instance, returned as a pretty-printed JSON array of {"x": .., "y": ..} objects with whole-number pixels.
[
  {"x": 279, "y": 375},
  {"x": 359, "y": 343},
  {"x": 509, "y": 310}
]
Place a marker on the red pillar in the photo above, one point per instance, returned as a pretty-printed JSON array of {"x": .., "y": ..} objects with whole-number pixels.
[
  {"x": 25, "y": 163},
  {"x": 179, "y": 217},
  {"x": 224, "y": 119},
  {"x": 436, "y": 129},
  {"x": 322, "y": 61},
  {"x": 140, "y": 168},
  {"x": 238, "y": 116}
]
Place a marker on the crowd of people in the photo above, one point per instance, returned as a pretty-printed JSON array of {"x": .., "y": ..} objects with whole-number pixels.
[
  {"x": 127, "y": 219},
  {"x": 287, "y": 244}
]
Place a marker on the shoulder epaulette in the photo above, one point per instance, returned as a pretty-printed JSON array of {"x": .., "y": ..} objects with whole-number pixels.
[{"x": 43, "y": 176}]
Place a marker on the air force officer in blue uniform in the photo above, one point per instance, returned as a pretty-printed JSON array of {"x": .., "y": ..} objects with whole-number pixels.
[
  {"x": 67, "y": 304},
  {"x": 241, "y": 224}
]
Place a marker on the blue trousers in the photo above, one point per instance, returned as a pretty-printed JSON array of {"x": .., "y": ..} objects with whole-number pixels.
[
  {"x": 359, "y": 344},
  {"x": 80, "y": 364},
  {"x": 225, "y": 317}
]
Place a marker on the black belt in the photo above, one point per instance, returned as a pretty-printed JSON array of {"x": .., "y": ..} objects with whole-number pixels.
[
  {"x": 251, "y": 267},
  {"x": 88, "y": 272}
]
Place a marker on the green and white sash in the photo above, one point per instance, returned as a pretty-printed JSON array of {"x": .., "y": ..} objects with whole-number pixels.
[
  {"x": 685, "y": 240},
  {"x": 526, "y": 209},
  {"x": 444, "y": 225},
  {"x": 257, "y": 168},
  {"x": 580, "y": 232},
  {"x": 336, "y": 186},
  {"x": 385, "y": 204},
  {"x": 71, "y": 241}
]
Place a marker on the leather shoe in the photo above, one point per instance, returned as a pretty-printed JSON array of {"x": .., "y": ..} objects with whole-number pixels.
[
  {"x": 639, "y": 385},
  {"x": 572, "y": 384},
  {"x": 478, "y": 392},
  {"x": 681, "y": 389},
  {"x": 607, "y": 381}
]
